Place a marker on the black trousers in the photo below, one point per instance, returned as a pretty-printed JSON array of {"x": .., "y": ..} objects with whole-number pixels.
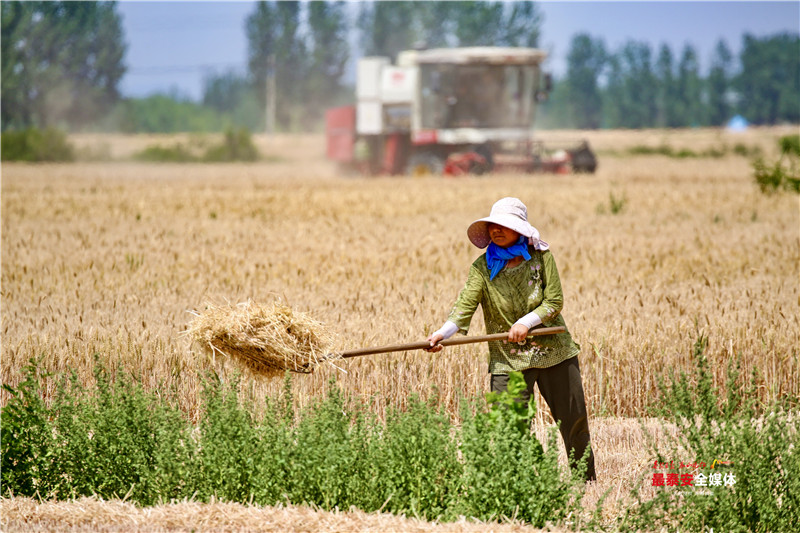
[{"x": 562, "y": 389}]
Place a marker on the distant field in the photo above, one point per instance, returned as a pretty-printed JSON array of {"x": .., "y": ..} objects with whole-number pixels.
[{"x": 108, "y": 258}]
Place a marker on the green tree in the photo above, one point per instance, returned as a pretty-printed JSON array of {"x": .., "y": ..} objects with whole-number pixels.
[
  {"x": 689, "y": 89},
  {"x": 224, "y": 92},
  {"x": 329, "y": 52},
  {"x": 235, "y": 99},
  {"x": 556, "y": 112},
  {"x": 631, "y": 88},
  {"x": 163, "y": 113},
  {"x": 769, "y": 82},
  {"x": 614, "y": 94},
  {"x": 497, "y": 23},
  {"x": 437, "y": 23},
  {"x": 666, "y": 98},
  {"x": 640, "y": 86},
  {"x": 478, "y": 23},
  {"x": 719, "y": 81},
  {"x": 523, "y": 24},
  {"x": 273, "y": 31},
  {"x": 585, "y": 63},
  {"x": 387, "y": 28},
  {"x": 61, "y": 62}
]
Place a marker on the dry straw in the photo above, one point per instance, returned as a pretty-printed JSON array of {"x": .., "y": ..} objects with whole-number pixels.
[{"x": 268, "y": 339}]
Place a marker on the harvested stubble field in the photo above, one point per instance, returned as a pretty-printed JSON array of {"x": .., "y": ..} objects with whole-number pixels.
[{"x": 109, "y": 258}]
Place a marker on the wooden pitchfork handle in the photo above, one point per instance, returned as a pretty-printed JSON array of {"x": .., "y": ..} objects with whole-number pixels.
[{"x": 421, "y": 345}]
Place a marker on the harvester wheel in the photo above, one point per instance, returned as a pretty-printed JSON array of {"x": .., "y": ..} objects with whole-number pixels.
[
  {"x": 425, "y": 163},
  {"x": 583, "y": 160},
  {"x": 485, "y": 151}
]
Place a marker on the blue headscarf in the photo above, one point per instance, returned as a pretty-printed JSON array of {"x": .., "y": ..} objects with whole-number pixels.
[{"x": 497, "y": 256}]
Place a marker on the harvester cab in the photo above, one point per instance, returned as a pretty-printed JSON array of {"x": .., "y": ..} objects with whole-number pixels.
[{"x": 449, "y": 111}]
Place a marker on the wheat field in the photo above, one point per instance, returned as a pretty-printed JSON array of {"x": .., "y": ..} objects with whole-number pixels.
[{"x": 110, "y": 258}]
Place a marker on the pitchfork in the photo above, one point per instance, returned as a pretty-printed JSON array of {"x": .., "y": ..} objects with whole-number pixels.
[{"x": 421, "y": 345}]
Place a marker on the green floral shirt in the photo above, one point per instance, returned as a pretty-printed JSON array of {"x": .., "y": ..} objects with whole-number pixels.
[{"x": 531, "y": 286}]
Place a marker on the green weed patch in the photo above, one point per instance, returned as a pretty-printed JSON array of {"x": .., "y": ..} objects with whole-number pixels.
[
  {"x": 738, "y": 461},
  {"x": 118, "y": 440},
  {"x": 236, "y": 145},
  {"x": 36, "y": 145},
  {"x": 783, "y": 173},
  {"x": 735, "y": 463}
]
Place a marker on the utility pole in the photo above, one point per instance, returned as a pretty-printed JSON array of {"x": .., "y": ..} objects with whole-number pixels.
[{"x": 270, "y": 87}]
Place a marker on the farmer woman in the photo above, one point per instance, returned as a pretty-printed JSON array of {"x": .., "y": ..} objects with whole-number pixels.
[{"x": 517, "y": 285}]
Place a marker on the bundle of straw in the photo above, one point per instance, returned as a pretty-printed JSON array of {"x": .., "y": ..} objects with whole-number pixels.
[{"x": 267, "y": 339}]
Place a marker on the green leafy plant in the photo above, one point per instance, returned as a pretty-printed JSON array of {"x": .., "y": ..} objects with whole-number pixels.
[
  {"x": 761, "y": 443},
  {"x": 237, "y": 145},
  {"x": 746, "y": 151},
  {"x": 228, "y": 446},
  {"x": 616, "y": 204},
  {"x": 715, "y": 152},
  {"x": 507, "y": 404},
  {"x": 26, "y": 440},
  {"x": 324, "y": 458},
  {"x": 418, "y": 471},
  {"x": 36, "y": 145},
  {"x": 782, "y": 174},
  {"x": 177, "y": 153},
  {"x": 122, "y": 441},
  {"x": 116, "y": 440},
  {"x": 790, "y": 145},
  {"x": 641, "y": 149},
  {"x": 507, "y": 471}
]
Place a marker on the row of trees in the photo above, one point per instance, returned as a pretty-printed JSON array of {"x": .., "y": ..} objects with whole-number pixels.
[
  {"x": 633, "y": 87},
  {"x": 62, "y": 63},
  {"x": 309, "y": 66}
]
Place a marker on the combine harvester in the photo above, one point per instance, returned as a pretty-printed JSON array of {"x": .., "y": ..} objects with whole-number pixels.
[{"x": 450, "y": 111}]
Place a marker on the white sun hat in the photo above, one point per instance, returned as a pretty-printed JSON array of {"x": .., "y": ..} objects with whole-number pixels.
[{"x": 510, "y": 213}]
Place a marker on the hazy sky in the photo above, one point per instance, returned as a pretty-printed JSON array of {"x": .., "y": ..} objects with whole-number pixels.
[{"x": 175, "y": 45}]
